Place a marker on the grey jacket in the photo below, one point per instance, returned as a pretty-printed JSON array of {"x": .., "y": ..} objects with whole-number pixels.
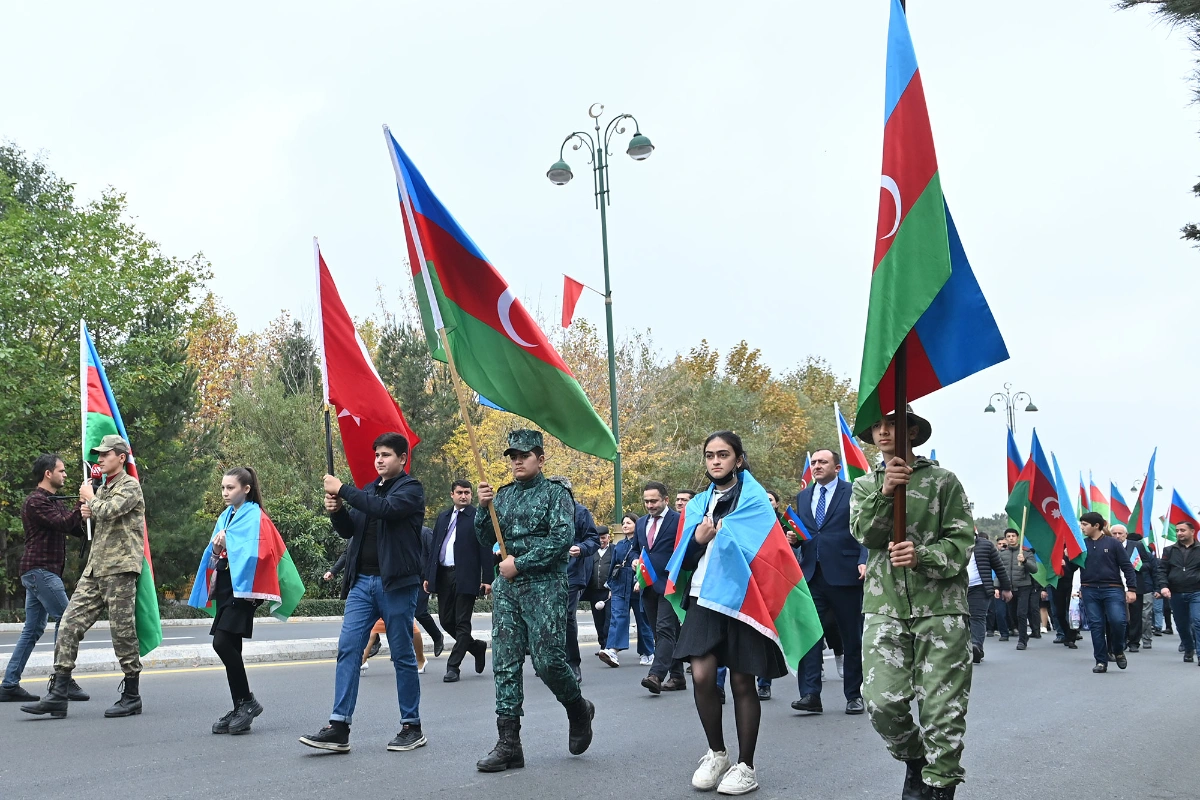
[{"x": 1020, "y": 574}]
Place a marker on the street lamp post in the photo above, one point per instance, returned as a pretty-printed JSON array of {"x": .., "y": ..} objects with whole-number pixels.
[
  {"x": 1137, "y": 485},
  {"x": 1010, "y": 401},
  {"x": 639, "y": 149}
]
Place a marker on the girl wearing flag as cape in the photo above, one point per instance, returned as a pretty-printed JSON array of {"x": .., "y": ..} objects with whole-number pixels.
[
  {"x": 747, "y": 606},
  {"x": 245, "y": 563}
]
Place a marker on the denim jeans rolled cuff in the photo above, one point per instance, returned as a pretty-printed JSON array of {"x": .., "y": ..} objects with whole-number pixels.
[
  {"x": 366, "y": 603},
  {"x": 1107, "y": 614},
  {"x": 45, "y": 597}
]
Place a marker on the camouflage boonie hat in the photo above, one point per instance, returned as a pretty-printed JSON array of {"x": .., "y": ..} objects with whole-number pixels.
[
  {"x": 523, "y": 440},
  {"x": 112, "y": 442}
]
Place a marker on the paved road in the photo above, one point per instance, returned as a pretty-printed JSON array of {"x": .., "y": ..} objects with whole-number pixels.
[{"x": 1040, "y": 722}]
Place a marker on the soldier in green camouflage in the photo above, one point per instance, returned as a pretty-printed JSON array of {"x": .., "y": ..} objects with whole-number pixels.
[
  {"x": 529, "y": 597},
  {"x": 916, "y": 641},
  {"x": 109, "y": 581}
]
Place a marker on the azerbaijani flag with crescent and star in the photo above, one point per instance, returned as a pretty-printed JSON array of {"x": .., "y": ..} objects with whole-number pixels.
[
  {"x": 1037, "y": 498},
  {"x": 854, "y": 460},
  {"x": 752, "y": 574},
  {"x": 923, "y": 291},
  {"x": 100, "y": 417},
  {"x": 792, "y": 520},
  {"x": 1118, "y": 511},
  {"x": 646, "y": 575},
  {"x": 498, "y": 348},
  {"x": 1141, "y": 520},
  {"x": 806, "y": 477}
]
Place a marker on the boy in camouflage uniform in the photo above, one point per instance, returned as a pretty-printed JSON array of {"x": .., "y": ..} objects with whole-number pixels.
[
  {"x": 109, "y": 581},
  {"x": 537, "y": 521},
  {"x": 916, "y": 640}
]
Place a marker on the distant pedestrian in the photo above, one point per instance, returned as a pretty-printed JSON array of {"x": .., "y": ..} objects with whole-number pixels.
[
  {"x": 1023, "y": 610},
  {"x": 981, "y": 590},
  {"x": 596, "y": 593},
  {"x": 1180, "y": 579},
  {"x": 459, "y": 570},
  {"x": 623, "y": 599},
  {"x": 1103, "y": 595},
  {"x": 682, "y": 497},
  {"x": 580, "y": 570},
  {"x": 1146, "y": 568},
  {"x": 656, "y": 536}
]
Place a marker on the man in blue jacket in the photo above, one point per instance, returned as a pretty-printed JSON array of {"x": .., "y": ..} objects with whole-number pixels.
[
  {"x": 382, "y": 579},
  {"x": 834, "y": 564},
  {"x": 579, "y": 572},
  {"x": 655, "y": 534}
]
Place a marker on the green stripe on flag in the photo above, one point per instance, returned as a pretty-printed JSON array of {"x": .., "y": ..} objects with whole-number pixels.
[{"x": 146, "y": 616}]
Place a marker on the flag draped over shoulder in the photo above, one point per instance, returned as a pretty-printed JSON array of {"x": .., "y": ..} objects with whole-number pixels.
[
  {"x": 854, "y": 460},
  {"x": 923, "y": 291},
  {"x": 100, "y": 418},
  {"x": 260, "y": 567},
  {"x": 498, "y": 348},
  {"x": 365, "y": 408},
  {"x": 752, "y": 574}
]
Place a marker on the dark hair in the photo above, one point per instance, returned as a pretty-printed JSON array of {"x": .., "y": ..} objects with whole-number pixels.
[
  {"x": 734, "y": 441},
  {"x": 773, "y": 494},
  {"x": 1191, "y": 527},
  {"x": 631, "y": 516},
  {"x": 1092, "y": 518},
  {"x": 1007, "y": 531},
  {"x": 393, "y": 441},
  {"x": 247, "y": 477},
  {"x": 460, "y": 484},
  {"x": 688, "y": 492},
  {"x": 837, "y": 457},
  {"x": 46, "y": 462},
  {"x": 655, "y": 486}
]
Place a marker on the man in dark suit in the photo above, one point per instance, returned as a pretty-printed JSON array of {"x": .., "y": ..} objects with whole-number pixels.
[
  {"x": 834, "y": 564},
  {"x": 458, "y": 569},
  {"x": 655, "y": 533},
  {"x": 580, "y": 570}
]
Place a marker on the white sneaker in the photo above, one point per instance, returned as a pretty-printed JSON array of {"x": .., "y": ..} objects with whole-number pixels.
[
  {"x": 840, "y": 661},
  {"x": 609, "y": 656},
  {"x": 646, "y": 661},
  {"x": 364, "y": 666},
  {"x": 713, "y": 767},
  {"x": 739, "y": 780}
]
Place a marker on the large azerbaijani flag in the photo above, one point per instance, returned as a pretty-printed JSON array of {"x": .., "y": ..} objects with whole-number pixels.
[
  {"x": 1097, "y": 501},
  {"x": 1118, "y": 511},
  {"x": 854, "y": 460},
  {"x": 1141, "y": 520},
  {"x": 1038, "y": 499},
  {"x": 923, "y": 291},
  {"x": 498, "y": 348},
  {"x": 100, "y": 417},
  {"x": 752, "y": 573}
]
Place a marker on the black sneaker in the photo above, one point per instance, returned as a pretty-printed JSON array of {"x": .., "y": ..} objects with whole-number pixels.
[
  {"x": 1189, "y": 657},
  {"x": 15, "y": 694},
  {"x": 244, "y": 715},
  {"x": 1004, "y": 638},
  {"x": 976, "y": 654},
  {"x": 409, "y": 738},
  {"x": 1122, "y": 661},
  {"x": 1100, "y": 668},
  {"x": 222, "y": 725},
  {"x": 334, "y": 737}
]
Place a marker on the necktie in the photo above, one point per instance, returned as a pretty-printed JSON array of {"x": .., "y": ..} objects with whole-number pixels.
[
  {"x": 820, "y": 515},
  {"x": 653, "y": 532},
  {"x": 449, "y": 535}
]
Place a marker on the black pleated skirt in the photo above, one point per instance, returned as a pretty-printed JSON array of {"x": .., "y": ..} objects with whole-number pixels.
[
  {"x": 234, "y": 615},
  {"x": 736, "y": 645}
]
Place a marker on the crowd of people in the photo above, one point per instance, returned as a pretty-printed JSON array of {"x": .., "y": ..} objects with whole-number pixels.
[{"x": 905, "y": 619}]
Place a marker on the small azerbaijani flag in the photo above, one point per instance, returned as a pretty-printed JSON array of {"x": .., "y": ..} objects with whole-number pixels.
[
  {"x": 100, "y": 417},
  {"x": 1180, "y": 512},
  {"x": 1118, "y": 510},
  {"x": 1136, "y": 559},
  {"x": 792, "y": 520},
  {"x": 1085, "y": 503},
  {"x": 1097, "y": 501},
  {"x": 646, "y": 575},
  {"x": 806, "y": 478},
  {"x": 854, "y": 460}
]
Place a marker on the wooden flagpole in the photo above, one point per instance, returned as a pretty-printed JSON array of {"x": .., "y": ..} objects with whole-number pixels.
[{"x": 900, "y": 499}]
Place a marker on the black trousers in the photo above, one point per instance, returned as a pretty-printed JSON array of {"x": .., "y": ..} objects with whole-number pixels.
[
  {"x": 662, "y": 616},
  {"x": 1133, "y": 631},
  {"x": 593, "y": 595},
  {"x": 454, "y": 611},
  {"x": 1024, "y": 612},
  {"x": 842, "y": 605},
  {"x": 1062, "y": 604},
  {"x": 228, "y": 647}
]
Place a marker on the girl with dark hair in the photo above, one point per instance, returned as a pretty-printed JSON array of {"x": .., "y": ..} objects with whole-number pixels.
[
  {"x": 240, "y": 569},
  {"x": 625, "y": 599},
  {"x": 710, "y": 639}
]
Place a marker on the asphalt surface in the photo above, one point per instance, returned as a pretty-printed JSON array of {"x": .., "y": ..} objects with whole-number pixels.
[{"x": 1040, "y": 724}]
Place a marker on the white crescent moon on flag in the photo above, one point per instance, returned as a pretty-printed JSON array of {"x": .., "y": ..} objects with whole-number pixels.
[
  {"x": 1046, "y": 501},
  {"x": 503, "y": 308},
  {"x": 887, "y": 182}
]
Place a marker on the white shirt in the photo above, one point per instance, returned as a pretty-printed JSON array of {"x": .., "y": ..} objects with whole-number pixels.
[
  {"x": 448, "y": 561},
  {"x": 830, "y": 488},
  {"x": 702, "y": 567},
  {"x": 973, "y": 572}
]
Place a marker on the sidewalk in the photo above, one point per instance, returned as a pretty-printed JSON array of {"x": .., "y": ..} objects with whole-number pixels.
[{"x": 202, "y": 655}]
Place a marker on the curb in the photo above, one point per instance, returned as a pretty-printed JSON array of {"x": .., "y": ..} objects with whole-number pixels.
[{"x": 17, "y": 627}]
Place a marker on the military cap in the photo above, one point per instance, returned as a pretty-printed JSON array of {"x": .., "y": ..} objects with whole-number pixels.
[
  {"x": 523, "y": 440},
  {"x": 112, "y": 442}
]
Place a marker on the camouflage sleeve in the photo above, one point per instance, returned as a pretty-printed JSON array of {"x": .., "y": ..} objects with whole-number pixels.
[
  {"x": 870, "y": 514},
  {"x": 484, "y": 531},
  {"x": 117, "y": 501},
  {"x": 551, "y": 549},
  {"x": 948, "y": 556}
]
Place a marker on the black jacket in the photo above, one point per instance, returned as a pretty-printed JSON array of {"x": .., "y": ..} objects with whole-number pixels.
[
  {"x": 1147, "y": 576},
  {"x": 1179, "y": 568},
  {"x": 581, "y": 567},
  {"x": 987, "y": 561},
  {"x": 472, "y": 560},
  {"x": 1106, "y": 562},
  {"x": 400, "y": 510}
]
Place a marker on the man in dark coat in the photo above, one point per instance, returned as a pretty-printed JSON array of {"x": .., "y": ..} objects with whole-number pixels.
[
  {"x": 581, "y": 570},
  {"x": 981, "y": 590},
  {"x": 458, "y": 569},
  {"x": 655, "y": 534}
]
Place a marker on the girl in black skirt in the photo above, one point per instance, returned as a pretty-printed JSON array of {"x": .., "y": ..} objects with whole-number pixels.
[{"x": 710, "y": 639}]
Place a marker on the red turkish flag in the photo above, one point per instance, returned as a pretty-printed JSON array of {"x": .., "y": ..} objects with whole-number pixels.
[
  {"x": 365, "y": 408},
  {"x": 571, "y": 291}
]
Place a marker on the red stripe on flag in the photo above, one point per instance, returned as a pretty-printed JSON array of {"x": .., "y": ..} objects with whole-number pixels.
[
  {"x": 97, "y": 402},
  {"x": 908, "y": 159},
  {"x": 922, "y": 380},
  {"x": 775, "y": 574}
]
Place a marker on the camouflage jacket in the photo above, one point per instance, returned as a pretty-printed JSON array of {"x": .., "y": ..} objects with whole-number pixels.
[
  {"x": 118, "y": 522},
  {"x": 537, "y": 520},
  {"x": 939, "y": 522}
]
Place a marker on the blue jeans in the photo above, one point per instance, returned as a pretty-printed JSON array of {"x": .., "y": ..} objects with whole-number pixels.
[
  {"x": 44, "y": 597},
  {"x": 645, "y": 631},
  {"x": 1185, "y": 607},
  {"x": 1158, "y": 613},
  {"x": 619, "y": 610},
  {"x": 366, "y": 603},
  {"x": 1107, "y": 617}
]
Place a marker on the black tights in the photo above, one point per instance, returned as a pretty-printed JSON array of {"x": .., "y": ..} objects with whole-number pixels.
[
  {"x": 747, "y": 708},
  {"x": 229, "y": 650}
]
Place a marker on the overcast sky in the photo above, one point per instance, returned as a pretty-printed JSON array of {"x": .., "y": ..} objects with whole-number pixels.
[{"x": 1065, "y": 136}]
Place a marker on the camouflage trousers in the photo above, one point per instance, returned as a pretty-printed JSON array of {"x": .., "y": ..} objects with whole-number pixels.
[
  {"x": 529, "y": 616},
  {"x": 117, "y": 593},
  {"x": 927, "y": 659}
]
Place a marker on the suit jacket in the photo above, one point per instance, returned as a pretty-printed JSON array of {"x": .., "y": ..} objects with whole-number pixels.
[
  {"x": 832, "y": 545},
  {"x": 472, "y": 561},
  {"x": 581, "y": 567},
  {"x": 664, "y": 545}
]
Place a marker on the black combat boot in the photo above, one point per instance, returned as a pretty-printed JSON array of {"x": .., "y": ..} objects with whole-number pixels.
[
  {"x": 915, "y": 787},
  {"x": 507, "y": 754},
  {"x": 942, "y": 792},
  {"x": 130, "y": 702},
  {"x": 55, "y": 701},
  {"x": 580, "y": 714},
  {"x": 75, "y": 692}
]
